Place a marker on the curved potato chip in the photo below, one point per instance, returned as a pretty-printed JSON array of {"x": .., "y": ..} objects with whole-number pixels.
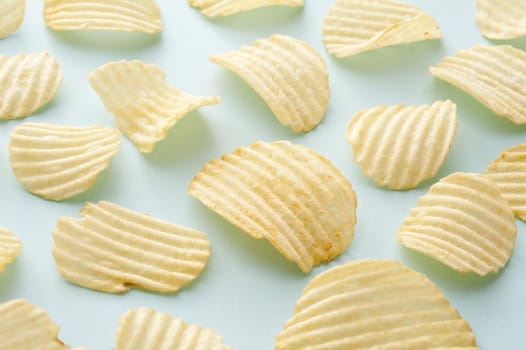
[
  {"x": 494, "y": 75},
  {"x": 285, "y": 193},
  {"x": 398, "y": 146},
  {"x": 509, "y": 173},
  {"x": 112, "y": 249},
  {"x": 24, "y": 326},
  {"x": 289, "y": 75},
  {"x": 374, "y": 304},
  {"x": 214, "y": 8},
  {"x": 118, "y": 15},
  {"x": 10, "y": 248},
  {"x": 147, "y": 329},
  {"x": 58, "y": 161},
  {"x": 354, "y": 26},
  {"x": 11, "y": 16},
  {"x": 501, "y": 19},
  {"x": 464, "y": 223},
  {"x": 27, "y": 82},
  {"x": 144, "y": 105}
]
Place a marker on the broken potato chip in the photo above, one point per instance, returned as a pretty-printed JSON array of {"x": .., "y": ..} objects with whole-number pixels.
[
  {"x": 494, "y": 75},
  {"x": 501, "y": 19},
  {"x": 215, "y": 8},
  {"x": 112, "y": 249},
  {"x": 285, "y": 193},
  {"x": 144, "y": 105},
  {"x": 290, "y": 76},
  {"x": 398, "y": 146},
  {"x": 354, "y": 26},
  {"x": 147, "y": 329},
  {"x": 463, "y": 222},
  {"x": 11, "y": 16},
  {"x": 374, "y": 304},
  {"x": 114, "y": 15},
  {"x": 10, "y": 248}
]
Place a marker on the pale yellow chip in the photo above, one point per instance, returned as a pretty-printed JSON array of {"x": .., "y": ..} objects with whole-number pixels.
[
  {"x": 398, "y": 146},
  {"x": 144, "y": 105},
  {"x": 115, "y": 15},
  {"x": 463, "y": 222},
  {"x": 501, "y": 19},
  {"x": 494, "y": 75},
  {"x": 290, "y": 76},
  {"x": 285, "y": 193},
  {"x": 27, "y": 82},
  {"x": 354, "y": 26},
  {"x": 147, "y": 329},
  {"x": 10, "y": 248},
  {"x": 112, "y": 249},
  {"x": 214, "y": 8},
  {"x": 24, "y": 326},
  {"x": 11, "y": 16},
  {"x": 374, "y": 305}
]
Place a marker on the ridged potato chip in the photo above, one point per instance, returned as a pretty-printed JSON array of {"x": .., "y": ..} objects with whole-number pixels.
[
  {"x": 374, "y": 305},
  {"x": 58, "y": 161},
  {"x": 27, "y": 82},
  {"x": 501, "y": 19},
  {"x": 285, "y": 193},
  {"x": 215, "y": 8},
  {"x": 398, "y": 146},
  {"x": 494, "y": 75},
  {"x": 144, "y": 105},
  {"x": 24, "y": 326},
  {"x": 112, "y": 249},
  {"x": 11, "y": 16},
  {"x": 147, "y": 329},
  {"x": 117, "y": 15},
  {"x": 290, "y": 76},
  {"x": 10, "y": 248},
  {"x": 354, "y": 26},
  {"x": 463, "y": 222}
]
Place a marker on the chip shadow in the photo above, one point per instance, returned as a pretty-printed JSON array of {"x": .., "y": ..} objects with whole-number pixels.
[{"x": 113, "y": 41}]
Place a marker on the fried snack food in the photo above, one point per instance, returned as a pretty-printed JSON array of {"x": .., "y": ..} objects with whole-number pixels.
[
  {"x": 215, "y": 8},
  {"x": 501, "y": 19},
  {"x": 10, "y": 248},
  {"x": 11, "y": 16}
]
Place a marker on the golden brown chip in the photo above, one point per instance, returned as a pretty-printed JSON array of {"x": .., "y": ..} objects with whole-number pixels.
[
  {"x": 463, "y": 222},
  {"x": 374, "y": 305},
  {"x": 285, "y": 193},
  {"x": 501, "y": 19},
  {"x": 214, "y": 8},
  {"x": 289, "y": 75},
  {"x": 10, "y": 248},
  {"x": 11, "y": 16}
]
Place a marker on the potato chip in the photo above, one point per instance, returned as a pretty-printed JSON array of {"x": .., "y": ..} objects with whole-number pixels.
[
  {"x": 26, "y": 327},
  {"x": 11, "y": 16},
  {"x": 112, "y": 249},
  {"x": 147, "y": 329},
  {"x": 398, "y": 146},
  {"x": 501, "y": 19},
  {"x": 354, "y": 26},
  {"x": 27, "y": 82},
  {"x": 494, "y": 75},
  {"x": 117, "y": 15},
  {"x": 374, "y": 304},
  {"x": 285, "y": 193},
  {"x": 144, "y": 105},
  {"x": 214, "y": 8},
  {"x": 289, "y": 75},
  {"x": 10, "y": 248},
  {"x": 463, "y": 222}
]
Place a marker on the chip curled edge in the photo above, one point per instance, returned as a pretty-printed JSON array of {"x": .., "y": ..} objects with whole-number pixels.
[
  {"x": 354, "y": 26},
  {"x": 290, "y": 76},
  {"x": 60, "y": 161},
  {"x": 147, "y": 329},
  {"x": 374, "y": 304},
  {"x": 10, "y": 248},
  {"x": 464, "y": 223},
  {"x": 286, "y": 193},
  {"x": 24, "y": 326},
  {"x": 501, "y": 19},
  {"x": 398, "y": 146},
  {"x": 27, "y": 83},
  {"x": 215, "y": 8},
  {"x": 144, "y": 105},
  {"x": 113, "y": 15},
  {"x": 11, "y": 16},
  {"x": 494, "y": 75},
  {"x": 112, "y": 249}
]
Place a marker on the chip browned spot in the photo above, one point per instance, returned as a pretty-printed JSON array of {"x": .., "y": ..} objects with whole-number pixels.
[
  {"x": 501, "y": 19},
  {"x": 11, "y": 16},
  {"x": 10, "y": 248},
  {"x": 214, "y": 8}
]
